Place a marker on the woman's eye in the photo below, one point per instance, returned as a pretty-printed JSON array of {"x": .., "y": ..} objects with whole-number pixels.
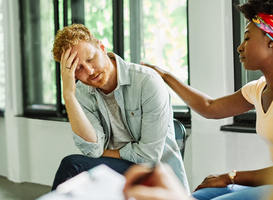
[{"x": 246, "y": 39}]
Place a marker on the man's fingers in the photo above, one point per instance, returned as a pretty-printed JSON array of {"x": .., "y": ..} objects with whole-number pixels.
[
  {"x": 67, "y": 53},
  {"x": 64, "y": 57},
  {"x": 69, "y": 62},
  {"x": 75, "y": 63}
]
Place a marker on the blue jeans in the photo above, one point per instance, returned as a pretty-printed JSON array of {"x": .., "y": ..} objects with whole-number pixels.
[
  {"x": 238, "y": 192},
  {"x": 73, "y": 165}
]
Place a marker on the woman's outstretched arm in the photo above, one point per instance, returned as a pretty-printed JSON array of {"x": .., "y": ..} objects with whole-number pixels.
[{"x": 203, "y": 104}]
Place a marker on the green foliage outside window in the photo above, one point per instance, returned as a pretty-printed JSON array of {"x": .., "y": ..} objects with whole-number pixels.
[
  {"x": 163, "y": 39},
  {"x": 99, "y": 20},
  {"x": 47, "y": 39}
]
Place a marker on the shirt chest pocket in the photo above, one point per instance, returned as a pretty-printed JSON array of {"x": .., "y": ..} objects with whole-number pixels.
[{"x": 134, "y": 121}]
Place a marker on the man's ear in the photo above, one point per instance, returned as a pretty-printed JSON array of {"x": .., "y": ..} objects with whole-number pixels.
[{"x": 102, "y": 46}]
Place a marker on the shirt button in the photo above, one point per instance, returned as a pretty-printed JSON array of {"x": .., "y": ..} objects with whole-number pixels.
[{"x": 132, "y": 113}]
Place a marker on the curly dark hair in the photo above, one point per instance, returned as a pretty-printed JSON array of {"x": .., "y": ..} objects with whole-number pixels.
[
  {"x": 253, "y": 7},
  {"x": 70, "y": 36}
]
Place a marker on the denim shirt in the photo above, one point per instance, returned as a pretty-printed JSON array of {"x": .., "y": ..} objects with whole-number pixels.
[{"x": 147, "y": 113}]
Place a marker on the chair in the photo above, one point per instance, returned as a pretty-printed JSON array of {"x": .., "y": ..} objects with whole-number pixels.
[{"x": 180, "y": 136}]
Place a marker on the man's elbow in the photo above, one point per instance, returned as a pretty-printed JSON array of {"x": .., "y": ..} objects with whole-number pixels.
[{"x": 95, "y": 154}]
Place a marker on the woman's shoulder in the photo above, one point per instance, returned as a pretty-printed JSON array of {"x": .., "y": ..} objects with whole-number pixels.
[
  {"x": 256, "y": 83},
  {"x": 253, "y": 88}
]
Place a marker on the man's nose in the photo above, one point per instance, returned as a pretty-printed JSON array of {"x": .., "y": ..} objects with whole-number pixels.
[{"x": 89, "y": 70}]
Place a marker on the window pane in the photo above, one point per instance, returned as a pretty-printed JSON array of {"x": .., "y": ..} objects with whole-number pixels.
[
  {"x": 163, "y": 40},
  {"x": 99, "y": 20},
  {"x": 163, "y": 36},
  {"x": 39, "y": 66},
  {"x": 242, "y": 76},
  {"x": 48, "y": 64},
  {"x": 247, "y": 75},
  {"x": 2, "y": 64}
]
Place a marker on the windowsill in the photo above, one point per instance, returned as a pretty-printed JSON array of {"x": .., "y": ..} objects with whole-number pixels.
[
  {"x": 49, "y": 118},
  {"x": 241, "y": 128}
]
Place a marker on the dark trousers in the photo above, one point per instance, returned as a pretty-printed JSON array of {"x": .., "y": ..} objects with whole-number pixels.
[{"x": 73, "y": 165}]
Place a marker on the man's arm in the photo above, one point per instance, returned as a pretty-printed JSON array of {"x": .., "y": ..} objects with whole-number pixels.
[{"x": 78, "y": 120}]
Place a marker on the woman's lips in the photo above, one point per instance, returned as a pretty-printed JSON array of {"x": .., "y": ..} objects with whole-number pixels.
[{"x": 242, "y": 58}]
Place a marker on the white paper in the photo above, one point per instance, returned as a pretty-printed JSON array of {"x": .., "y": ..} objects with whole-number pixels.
[{"x": 99, "y": 183}]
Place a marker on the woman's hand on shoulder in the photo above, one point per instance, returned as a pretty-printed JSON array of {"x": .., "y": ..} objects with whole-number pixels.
[{"x": 160, "y": 71}]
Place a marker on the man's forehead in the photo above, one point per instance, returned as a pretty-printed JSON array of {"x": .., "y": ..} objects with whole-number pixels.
[{"x": 83, "y": 47}]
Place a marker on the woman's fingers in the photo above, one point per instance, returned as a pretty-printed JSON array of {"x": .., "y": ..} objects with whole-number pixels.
[{"x": 147, "y": 64}]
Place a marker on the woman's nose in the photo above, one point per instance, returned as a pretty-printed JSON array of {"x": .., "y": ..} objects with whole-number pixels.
[{"x": 240, "y": 48}]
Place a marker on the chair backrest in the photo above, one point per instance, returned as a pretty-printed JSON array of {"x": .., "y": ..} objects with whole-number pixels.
[{"x": 180, "y": 136}]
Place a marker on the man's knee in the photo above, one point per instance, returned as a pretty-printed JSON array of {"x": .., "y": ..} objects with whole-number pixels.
[{"x": 70, "y": 160}]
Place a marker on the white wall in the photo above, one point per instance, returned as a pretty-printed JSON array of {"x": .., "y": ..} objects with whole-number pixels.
[
  {"x": 31, "y": 150},
  {"x": 3, "y": 147}
]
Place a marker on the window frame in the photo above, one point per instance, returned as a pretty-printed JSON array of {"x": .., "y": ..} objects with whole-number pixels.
[
  {"x": 2, "y": 111},
  {"x": 245, "y": 123},
  {"x": 182, "y": 113}
]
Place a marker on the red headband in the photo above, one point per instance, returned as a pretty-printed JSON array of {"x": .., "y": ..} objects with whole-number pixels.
[{"x": 265, "y": 23}]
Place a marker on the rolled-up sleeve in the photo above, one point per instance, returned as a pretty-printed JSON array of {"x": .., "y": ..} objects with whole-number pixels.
[
  {"x": 156, "y": 113},
  {"x": 94, "y": 150}
]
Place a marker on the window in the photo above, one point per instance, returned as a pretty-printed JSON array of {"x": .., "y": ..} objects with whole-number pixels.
[
  {"x": 39, "y": 70},
  {"x": 2, "y": 64},
  {"x": 247, "y": 121},
  {"x": 147, "y": 30},
  {"x": 243, "y": 76},
  {"x": 156, "y": 32}
]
